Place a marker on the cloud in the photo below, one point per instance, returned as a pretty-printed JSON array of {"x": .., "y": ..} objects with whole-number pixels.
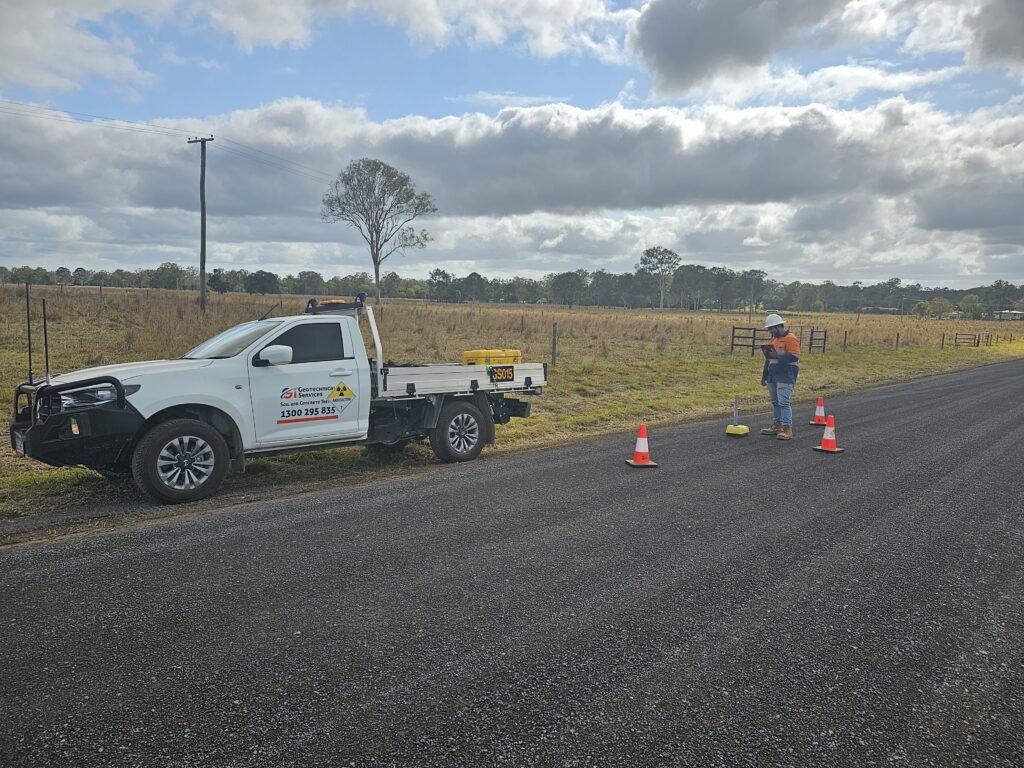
[
  {"x": 502, "y": 99},
  {"x": 684, "y": 42},
  {"x": 812, "y": 192},
  {"x": 57, "y": 45},
  {"x": 998, "y": 33},
  {"x": 828, "y": 85}
]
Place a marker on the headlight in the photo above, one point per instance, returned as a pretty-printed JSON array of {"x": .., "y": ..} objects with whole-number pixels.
[{"x": 81, "y": 398}]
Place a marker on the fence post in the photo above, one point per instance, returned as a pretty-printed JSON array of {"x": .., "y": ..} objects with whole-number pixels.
[
  {"x": 943, "y": 344},
  {"x": 522, "y": 325},
  {"x": 897, "y": 341},
  {"x": 845, "y": 334},
  {"x": 554, "y": 344}
]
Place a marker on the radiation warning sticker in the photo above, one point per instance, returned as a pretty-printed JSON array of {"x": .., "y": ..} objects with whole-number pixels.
[
  {"x": 317, "y": 403},
  {"x": 342, "y": 391}
]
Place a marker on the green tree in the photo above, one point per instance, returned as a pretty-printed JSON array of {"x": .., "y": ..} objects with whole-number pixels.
[
  {"x": 567, "y": 287},
  {"x": 439, "y": 284},
  {"x": 474, "y": 287},
  {"x": 379, "y": 202},
  {"x": 168, "y": 276},
  {"x": 806, "y": 296},
  {"x": 971, "y": 306},
  {"x": 63, "y": 275},
  {"x": 691, "y": 283},
  {"x": 922, "y": 309},
  {"x": 217, "y": 282},
  {"x": 604, "y": 289},
  {"x": 308, "y": 283},
  {"x": 262, "y": 282},
  {"x": 660, "y": 262},
  {"x": 940, "y": 306},
  {"x": 754, "y": 286}
]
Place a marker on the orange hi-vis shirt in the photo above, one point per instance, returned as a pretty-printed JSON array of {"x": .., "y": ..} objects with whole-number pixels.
[
  {"x": 779, "y": 372},
  {"x": 788, "y": 343}
]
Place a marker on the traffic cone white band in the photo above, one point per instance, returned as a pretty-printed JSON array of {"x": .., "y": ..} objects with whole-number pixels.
[{"x": 641, "y": 445}]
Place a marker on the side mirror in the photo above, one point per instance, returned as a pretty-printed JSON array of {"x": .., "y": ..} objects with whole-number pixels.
[{"x": 275, "y": 354}]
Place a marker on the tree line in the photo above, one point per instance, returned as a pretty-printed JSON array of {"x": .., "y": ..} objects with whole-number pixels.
[{"x": 653, "y": 283}]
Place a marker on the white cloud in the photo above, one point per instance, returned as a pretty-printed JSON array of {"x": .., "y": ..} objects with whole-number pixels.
[
  {"x": 45, "y": 46},
  {"x": 57, "y": 45},
  {"x": 811, "y": 192},
  {"x": 502, "y": 99},
  {"x": 829, "y": 85},
  {"x": 685, "y": 43}
]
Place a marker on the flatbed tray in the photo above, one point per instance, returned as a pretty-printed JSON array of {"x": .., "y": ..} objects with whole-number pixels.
[{"x": 452, "y": 378}]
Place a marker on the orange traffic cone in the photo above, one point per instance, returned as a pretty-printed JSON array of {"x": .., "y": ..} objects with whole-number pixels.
[
  {"x": 819, "y": 413},
  {"x": 642, "y": 454},
  {"x": 828, "y": 440}
]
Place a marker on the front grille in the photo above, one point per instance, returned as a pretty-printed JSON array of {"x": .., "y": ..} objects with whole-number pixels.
[{"x": 47, "y": 406}]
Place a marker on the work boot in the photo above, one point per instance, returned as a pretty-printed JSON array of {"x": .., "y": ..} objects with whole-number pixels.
[
  {"x": 785, "y": 433},
  {"x": 774, "y": 429}
]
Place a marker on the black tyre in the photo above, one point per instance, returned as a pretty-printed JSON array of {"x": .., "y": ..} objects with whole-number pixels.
[
  {"x": 180, "y": 460},
  {"x": 459, "y": 435}
]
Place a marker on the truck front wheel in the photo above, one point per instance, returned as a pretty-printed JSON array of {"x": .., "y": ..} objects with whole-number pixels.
[
  {"x": 180, "y": 460},
  {"x": 459, "y": 433}
]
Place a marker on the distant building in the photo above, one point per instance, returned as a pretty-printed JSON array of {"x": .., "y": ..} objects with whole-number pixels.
[{"x": 1008, "y": 314}]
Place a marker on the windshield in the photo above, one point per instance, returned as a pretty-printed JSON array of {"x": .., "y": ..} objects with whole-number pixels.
[{"x": 232, "y": 341}]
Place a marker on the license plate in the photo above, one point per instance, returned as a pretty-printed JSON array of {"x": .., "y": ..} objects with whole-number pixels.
[
  {"x": 19, "y": 444},
  {"x": 500, "y": 373}
]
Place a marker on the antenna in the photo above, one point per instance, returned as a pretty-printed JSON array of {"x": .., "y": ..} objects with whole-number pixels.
[
  {"x": 265, "y": 314},
  {"x": 46, "y": 344},
  {"x": 28, "y": 325}
]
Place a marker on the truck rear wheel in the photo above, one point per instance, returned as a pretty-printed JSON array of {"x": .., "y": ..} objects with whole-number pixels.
[
  {"x": 180, "y": 460},
  {"x": 459, "y": 435}
]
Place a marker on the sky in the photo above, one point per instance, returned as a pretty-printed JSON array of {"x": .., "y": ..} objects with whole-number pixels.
[{"x": 817, "y": 140}]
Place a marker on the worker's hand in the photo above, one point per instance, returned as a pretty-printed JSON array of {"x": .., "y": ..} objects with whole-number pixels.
[
  {"x": 771, "y": 354},
  {"x": 764, "y": 382}
]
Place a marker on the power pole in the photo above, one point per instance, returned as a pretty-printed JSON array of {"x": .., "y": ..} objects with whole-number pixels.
[{"x": 202, "y": 225}]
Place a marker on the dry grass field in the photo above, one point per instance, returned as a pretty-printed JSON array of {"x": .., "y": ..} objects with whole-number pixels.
[{"x": 615, "y": 367}]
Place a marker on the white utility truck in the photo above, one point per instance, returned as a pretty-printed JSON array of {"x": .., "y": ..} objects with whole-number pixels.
[{"x": 269, "y": 386}]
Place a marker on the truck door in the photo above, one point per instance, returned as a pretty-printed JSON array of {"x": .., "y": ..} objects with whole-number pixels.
[{"x": 317, "y": 396}]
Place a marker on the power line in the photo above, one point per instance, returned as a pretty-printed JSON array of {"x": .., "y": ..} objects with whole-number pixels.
[
  {"x": 253, "y": 154},
  {"x": 319, "y": 179},
  {"x": 316, "y": 171},
  {"x": 46, "y": 113}
]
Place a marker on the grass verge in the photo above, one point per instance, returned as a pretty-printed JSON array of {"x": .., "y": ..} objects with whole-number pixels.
[{"x": 592, "y": 397}]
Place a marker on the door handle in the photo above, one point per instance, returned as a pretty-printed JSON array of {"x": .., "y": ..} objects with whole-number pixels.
[{"x": 342, "y": 372}]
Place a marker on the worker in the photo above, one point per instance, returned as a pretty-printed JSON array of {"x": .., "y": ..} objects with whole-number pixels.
[{"x": 781, "y": 367}]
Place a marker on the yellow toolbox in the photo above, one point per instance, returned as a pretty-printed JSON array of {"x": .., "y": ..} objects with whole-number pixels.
[{"x": 492, "y": 357}]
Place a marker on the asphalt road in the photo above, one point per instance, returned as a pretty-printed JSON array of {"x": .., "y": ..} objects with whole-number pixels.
[{"x": 749, "y": 603}]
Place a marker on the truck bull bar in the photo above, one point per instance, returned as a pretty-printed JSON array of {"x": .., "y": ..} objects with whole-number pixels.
[{"x": 45, "y": 389}]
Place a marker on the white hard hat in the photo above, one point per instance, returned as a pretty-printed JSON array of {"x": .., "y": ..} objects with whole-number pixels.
[{"x": 773, "y": 320}]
